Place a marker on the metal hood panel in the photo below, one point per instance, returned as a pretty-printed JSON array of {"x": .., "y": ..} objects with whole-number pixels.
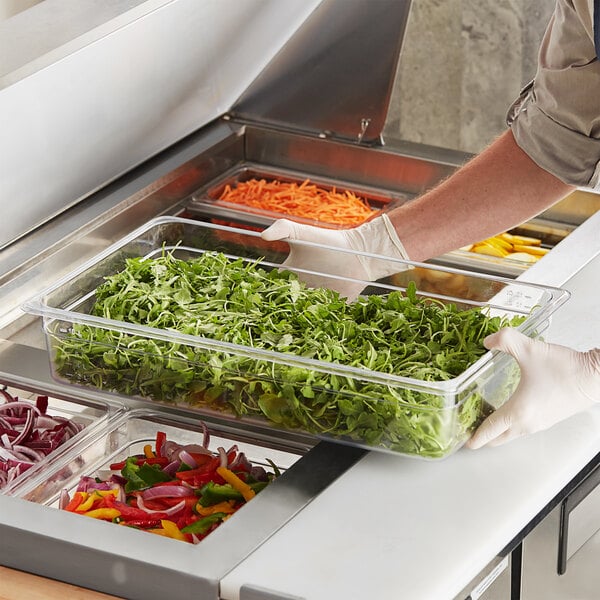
[
  {"x": 335, "y": 76},
  {"x": 114, "y": 94}
]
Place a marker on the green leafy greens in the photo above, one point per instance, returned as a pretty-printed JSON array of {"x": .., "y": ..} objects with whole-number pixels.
[{"x": 243, "y": 303}]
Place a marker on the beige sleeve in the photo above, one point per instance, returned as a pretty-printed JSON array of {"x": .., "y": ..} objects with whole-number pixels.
[{"x": 556, "y": 119}]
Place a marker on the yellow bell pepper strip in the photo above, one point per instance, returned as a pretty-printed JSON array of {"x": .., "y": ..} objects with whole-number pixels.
[
  {"x": 103, "y": 513},
  {"x": 241, "y": 486},
  {"x": 172, "y": 530},
  {"x": 148, "y": 451},
  {"x": 156, "y": 531},
  {"x": 227, "y": 507},
  {"x": 97, "y": 499},
  {"x": 87, "y": 503}
]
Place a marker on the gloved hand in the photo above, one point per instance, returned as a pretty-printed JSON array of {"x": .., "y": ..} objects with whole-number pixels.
[
  {"x": 375, "y": 237},
  {"x": 556, "y": 382}
]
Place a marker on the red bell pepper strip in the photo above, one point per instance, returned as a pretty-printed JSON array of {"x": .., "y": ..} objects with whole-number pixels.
[
  {"x": 156, "y": 460},
  {"x": 161, "y": 438}
]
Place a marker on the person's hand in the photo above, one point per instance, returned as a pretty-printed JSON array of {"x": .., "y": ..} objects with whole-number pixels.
[
  {"x": 374, "y": 237},
  {"x": 556, "y": 382}
]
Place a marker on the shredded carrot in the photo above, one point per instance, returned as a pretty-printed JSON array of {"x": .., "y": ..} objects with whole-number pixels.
[{"x": 305, "y": 200}]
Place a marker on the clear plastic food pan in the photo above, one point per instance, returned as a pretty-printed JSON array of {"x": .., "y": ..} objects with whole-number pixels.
[
  {"x": 133, "y": 434},
  {"x": 120, "y": 542},
  {"x": 398, "y": 370},
  {"x": 47, "y": 428}
]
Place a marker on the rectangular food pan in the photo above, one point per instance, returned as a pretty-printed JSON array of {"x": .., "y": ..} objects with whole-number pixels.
[
  {"x": 136, "y": 434},
  {"x": 212, "y": 200},
  {"x": 398, "y": 370},
  {"x": 85, "y": 545},
  {"x": 48, "y": 427}
]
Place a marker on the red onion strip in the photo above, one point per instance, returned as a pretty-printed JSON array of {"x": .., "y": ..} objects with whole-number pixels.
[{"x": 28, "y": 434}]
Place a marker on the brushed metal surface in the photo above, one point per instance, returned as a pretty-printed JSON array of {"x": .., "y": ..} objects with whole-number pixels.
[{"x": 119, "y": 94}]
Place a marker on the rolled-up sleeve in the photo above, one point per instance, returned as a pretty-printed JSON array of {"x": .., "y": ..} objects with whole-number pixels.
[{"x": 556, "y": 120}]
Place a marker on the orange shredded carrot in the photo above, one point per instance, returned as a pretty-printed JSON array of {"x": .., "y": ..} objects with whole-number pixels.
[{"x": 305, "y": 200}]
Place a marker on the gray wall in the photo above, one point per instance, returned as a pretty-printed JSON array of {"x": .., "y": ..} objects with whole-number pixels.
[{"x": 462, "y": 64}]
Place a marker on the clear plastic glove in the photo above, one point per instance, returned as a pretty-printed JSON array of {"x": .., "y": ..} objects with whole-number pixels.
[
  {"x": 374, "y": 237},
  {"x": 556, "y": 382}
]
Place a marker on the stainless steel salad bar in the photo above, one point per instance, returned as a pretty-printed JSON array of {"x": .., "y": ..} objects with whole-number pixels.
[{"x": 152, "y": 195}]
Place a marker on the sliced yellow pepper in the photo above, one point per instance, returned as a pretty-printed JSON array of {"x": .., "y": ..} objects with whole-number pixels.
[
  {"x": 157, "y": 531},
  {"x": 521, "y": 239},
  {"x": 172, "y": 531},
  {"x": 148, "y": 451},
  {"x": 103, "y": 493},
  {"x": 87, "y": 503},
  {"x": 227, "y": 506},
  {"x": 104, "y": 513},
  {"x": 241, "y": 486}
]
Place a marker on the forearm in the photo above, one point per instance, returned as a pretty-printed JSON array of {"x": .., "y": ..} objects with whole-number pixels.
[{"x": 497, "y": 190}]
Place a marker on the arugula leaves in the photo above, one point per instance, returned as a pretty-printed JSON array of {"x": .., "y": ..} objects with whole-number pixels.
[{"x": 237, "y": 301}]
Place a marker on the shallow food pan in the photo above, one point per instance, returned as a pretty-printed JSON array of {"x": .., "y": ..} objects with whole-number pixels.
[
  {"x": 55, "y": 423},
  {"x": 210, "y": 199},
  {"x": 316, "y": 392},
  {"x": 123, "y": 560}
]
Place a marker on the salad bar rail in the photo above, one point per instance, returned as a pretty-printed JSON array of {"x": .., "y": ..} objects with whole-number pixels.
[{"x": 259, "y": 130}]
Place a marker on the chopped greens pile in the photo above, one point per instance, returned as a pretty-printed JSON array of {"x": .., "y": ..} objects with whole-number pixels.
[{"x": 242, "y": 303}]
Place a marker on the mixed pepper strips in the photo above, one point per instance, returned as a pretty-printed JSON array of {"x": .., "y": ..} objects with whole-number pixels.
[{"x": 178, "y": 491}]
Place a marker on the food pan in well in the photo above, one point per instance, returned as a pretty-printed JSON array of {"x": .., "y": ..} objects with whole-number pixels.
[
  {"x": 146, "y": 467},
  {"x": 37, "y": 430},
  {"x": 122, "y": 559},
  {"x": 262, "y": 196},
  {"x": 421, "y": 395}
]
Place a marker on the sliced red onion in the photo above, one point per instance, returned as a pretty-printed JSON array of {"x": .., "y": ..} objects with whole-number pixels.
[
  {"x": 34, "y": 455},
  {"x": 6, "y": 395},
  {"x": 188, "y": 459},
  {"x": 6, "y": 454},
  {"x": 28, "y": 434},
  {"x": 197, "y": 448},
  {"x": 21, "y": 404},
  {"x": 172, "y": 468},
  {"x": 167, "y": 491},
  {"x": 64, "y": 499},
  {"x": 241, "y": 463},
  {"x": 222, "y": 456},
  {"x": 206, "y": 436},
  {"x": 27, "y": 429},
  {"x": 169, "y": 511}
]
